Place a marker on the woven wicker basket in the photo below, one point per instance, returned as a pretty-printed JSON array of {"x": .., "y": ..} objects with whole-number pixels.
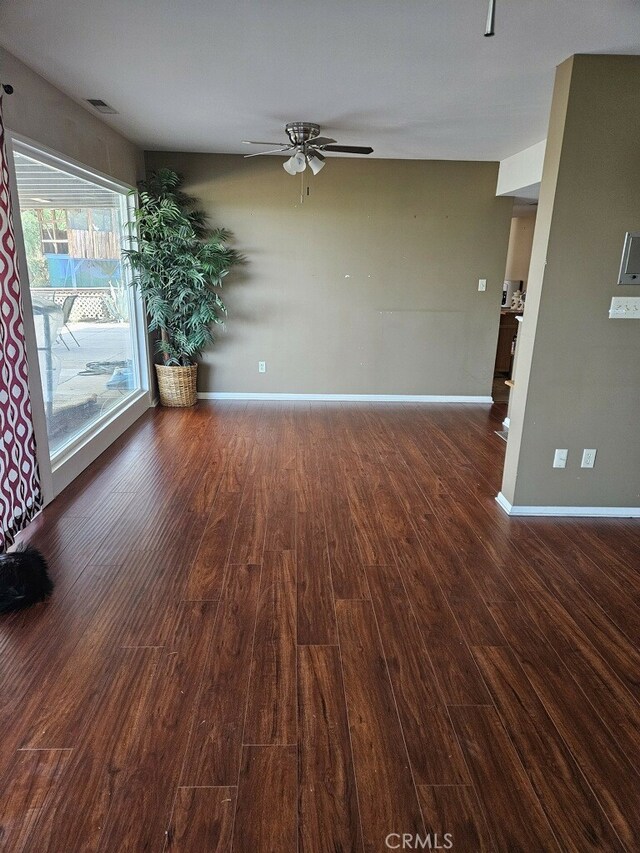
[{"x": 177, "y": 385}]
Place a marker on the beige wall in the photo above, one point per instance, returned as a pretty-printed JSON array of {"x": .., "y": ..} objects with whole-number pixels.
[
  {"x": 47, "y": 116},
  {"x": 577, "y": 383},
  {"x": 370, "y": 287},
  {"x": 519, "y": 251}
]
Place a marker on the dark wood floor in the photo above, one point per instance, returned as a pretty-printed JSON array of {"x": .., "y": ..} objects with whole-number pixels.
[{"x": 306, "y": 627}]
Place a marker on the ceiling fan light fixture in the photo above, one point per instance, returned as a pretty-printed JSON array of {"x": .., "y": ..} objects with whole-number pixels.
[
  {"x": 307, "y": 148},
  {"x": 299, "y": 161},
  {"x": 316, "y": 162},
  {"x": 296, "y": 163},
  {"x": 289, "y": 167}
]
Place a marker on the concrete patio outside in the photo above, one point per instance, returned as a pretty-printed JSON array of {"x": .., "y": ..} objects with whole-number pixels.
[{"x": 82, "y": 371}]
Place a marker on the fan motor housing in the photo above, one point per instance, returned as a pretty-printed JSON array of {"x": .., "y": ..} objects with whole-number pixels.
[{"x": 300, "y": 132}]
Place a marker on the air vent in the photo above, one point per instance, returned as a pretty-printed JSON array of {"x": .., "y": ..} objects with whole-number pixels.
[{"x": 101, "y": 106}]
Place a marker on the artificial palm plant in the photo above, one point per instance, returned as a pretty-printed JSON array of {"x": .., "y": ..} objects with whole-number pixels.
[{"x": 178, "y": 265}]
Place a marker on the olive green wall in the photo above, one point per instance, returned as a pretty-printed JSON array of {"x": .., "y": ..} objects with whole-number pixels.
[
  {"x": 369, "y": 287},
  {"x": 577, "y": 383}
]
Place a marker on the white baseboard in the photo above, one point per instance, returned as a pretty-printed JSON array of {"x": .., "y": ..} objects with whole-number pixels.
[
  {"x": 344, "y": 398},
  {"x": 576, "y": 511},
  {"x": 506, "y": 423}
]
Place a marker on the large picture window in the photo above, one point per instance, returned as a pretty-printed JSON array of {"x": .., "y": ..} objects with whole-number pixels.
[{"x": 83, "y": 307}]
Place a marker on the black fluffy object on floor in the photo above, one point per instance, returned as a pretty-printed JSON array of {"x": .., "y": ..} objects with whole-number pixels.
[{"x": 24, "y": 579}]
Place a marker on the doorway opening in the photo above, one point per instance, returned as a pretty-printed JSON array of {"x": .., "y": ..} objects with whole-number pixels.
[{"x": 513, "y": 299}]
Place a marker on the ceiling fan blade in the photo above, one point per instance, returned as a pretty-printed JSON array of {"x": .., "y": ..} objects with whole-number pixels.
[
  {"x": 271, "y": 151},
  {"x": 252, "y": 142},
  {"x": 320, "y": 141},
  {"x": 348, "y": 149}
]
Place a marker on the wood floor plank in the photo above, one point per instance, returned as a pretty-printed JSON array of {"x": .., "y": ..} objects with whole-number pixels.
[
  {"x": 615, "y": 600},
  {"x": 328, "y": 807},
  {"x": 213, "y": 754},
  {"x": 235, "y": 472},
  {"x": 205, "y": 576},
  {"x": 611, "y": 775},
  {"x": 204, "y": 564},
  {"x": 410, "y": 495},
  {"x": 434, "y": 752},
  {"x": 281, "y": 523},
  {"x": 87, "y": 781},
  {"x": 620, "y": 535},
  {"x": 73, "y": 692},
  {"x": 266, "y": 814},
  {"x": 432, "y": 479},
  {"x": 436, "y": 619},
  {"x": 157, "y": 592},
  {"x": 36, "y": 646},
  {"x": 564, "y": 793},
  {"x": 476, "y": 525},
  {"x": 613, "y": 703},
  {"x": 202, "y": 820},
  {"x": 515, "y": 818},
  {"x": 347, "y": 569},
  {"x": 248, "y": 541},
  {"x": 463, "y": 567},
  {"x": 208, "y": 483},
  {"x": 386, "y": 792},
  {"x": 608, "y": 543},
  {"x": 271, "y": 704},
  {"x": 456, "y": 575},
  {"x": 395, "y": 520},
  {"x": 86, "y": 539},
  {"x": 617, "y": 650},
  {"x": 23, "y": 799},
  {"x": 306, "y": 473},
  {"x": 456, "y": 671},
  {"x": 556, "y": 614},
  {"x": 156, "y": 752},
  {"x": 555, "y": 623},
  {"x": 452, "y": 816},
  {"x": 316, "y": 610},
  {"x": 374, "y": 545}
]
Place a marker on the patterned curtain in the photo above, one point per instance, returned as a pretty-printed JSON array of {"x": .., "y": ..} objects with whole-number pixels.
[{"x": 20, "y": 495}]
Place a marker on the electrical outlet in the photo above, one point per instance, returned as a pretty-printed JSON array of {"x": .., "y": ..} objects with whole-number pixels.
[
  {"x": 560, "y": 458},
  {"x": 588, "y": 458},
  {"x": 482, "y": 284},
  {"x": 625, "y": 308},
  {"x": 262, "y": 367}
]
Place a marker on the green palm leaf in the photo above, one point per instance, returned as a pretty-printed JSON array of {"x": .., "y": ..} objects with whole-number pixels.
[{"x": 178, "y": 262}]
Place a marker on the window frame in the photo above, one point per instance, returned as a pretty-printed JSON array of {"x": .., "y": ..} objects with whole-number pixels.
[{"x": 65, "y": 465}]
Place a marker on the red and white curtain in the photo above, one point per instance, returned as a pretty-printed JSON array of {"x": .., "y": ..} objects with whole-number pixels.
[{"x": 20, "y": 495}]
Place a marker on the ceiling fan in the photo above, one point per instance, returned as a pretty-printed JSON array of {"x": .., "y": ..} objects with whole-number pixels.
[{"x": 308, "y": 147}]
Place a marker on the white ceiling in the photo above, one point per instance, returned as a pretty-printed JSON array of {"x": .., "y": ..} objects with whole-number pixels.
[{"x": 412, "y": 78}]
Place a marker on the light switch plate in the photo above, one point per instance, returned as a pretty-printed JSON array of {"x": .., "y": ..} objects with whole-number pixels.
[
  {"x": 482, "y": 284},
  {"x": 625, "y": 308},
  {"x": 560, "y": 458}
]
